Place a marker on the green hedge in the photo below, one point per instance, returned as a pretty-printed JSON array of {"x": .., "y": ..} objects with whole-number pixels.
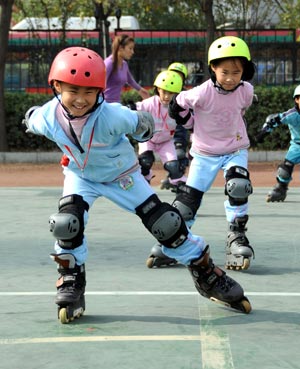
[
  {"x": 271, "y": 100},
  {"x": 16, "y": 105}
]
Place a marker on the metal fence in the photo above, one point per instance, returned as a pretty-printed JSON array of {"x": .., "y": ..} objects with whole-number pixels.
[{"x": 30, "y": 53}]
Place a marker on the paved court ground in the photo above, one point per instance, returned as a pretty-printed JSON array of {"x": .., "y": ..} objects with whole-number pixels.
[{"x": 147, "y": 318}]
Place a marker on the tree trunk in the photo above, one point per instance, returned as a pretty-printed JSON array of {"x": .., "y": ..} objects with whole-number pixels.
[
  {"x": 207, "y": 8},
  {"x": 5, "y": 16}
]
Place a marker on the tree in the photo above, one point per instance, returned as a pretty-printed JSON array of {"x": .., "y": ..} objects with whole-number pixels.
[
  {"x": 287, "y": 16},
  {"x": 246, "y": 14},
  {"x": 5, "y": 16},
  {"x": 207, "y": 9},
  {"x": 154, "y": 14}
]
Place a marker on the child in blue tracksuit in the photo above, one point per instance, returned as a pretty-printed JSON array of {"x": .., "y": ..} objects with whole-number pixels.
[
  {"x": 102, "y": 162},
  {"x": 285, "y": 169}
]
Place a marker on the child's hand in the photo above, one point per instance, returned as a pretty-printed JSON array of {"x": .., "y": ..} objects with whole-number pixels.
[
  {"x": 145, "y": 128},
  {"x": 28, "y": 114},
  {"x": 272, "y": 121}
]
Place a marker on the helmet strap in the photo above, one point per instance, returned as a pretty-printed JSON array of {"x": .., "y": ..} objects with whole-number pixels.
[
  {"x": 70, "y": 116},
  {"x": 220, "y": 89}
]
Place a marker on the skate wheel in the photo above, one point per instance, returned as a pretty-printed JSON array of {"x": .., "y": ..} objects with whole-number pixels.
[
  {"x": 78, "y": 313},
  {"x": 246, "y": 264},
  {"x": 243, "y": 305},
  {"x": 164, "y": 185},
  {"x": 150, "y": 262},
  {"x": 233, "y": 267},
  {"x": 246, "y": 306},
  {"x": 268, "y": 199},
  {"x": 63, "y": 316}
]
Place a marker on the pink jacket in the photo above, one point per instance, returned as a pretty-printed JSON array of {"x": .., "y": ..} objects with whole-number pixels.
[
  {"x": 164, "y": 125},
  {"x": 219, "y": 124}
]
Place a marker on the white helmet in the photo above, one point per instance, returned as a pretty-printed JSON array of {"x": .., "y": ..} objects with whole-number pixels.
[{"x": 296, "y": 92}]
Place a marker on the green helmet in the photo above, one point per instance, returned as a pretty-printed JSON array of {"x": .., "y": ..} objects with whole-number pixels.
[
  {"x": 296, "y": 92},
  {"x": 168, "y": 81},
  {"x": 226, "y": 47},
  {"x": 178, "y": 67}
]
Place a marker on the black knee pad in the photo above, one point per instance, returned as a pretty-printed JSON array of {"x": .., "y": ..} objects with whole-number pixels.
[
  {"x": 146, "y": 160},
  {"x": 163, "y": 221},
  {"x": 67, "y": 225},
  {"x": 238, "y": 185},
  {"x": 174, "y": 169},
  {"x": 188, "y": 201},
  {"x": 285, "y": 170}
]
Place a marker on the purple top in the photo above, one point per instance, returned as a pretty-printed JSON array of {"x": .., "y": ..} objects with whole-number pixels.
[{"x": 116, "y": 80}]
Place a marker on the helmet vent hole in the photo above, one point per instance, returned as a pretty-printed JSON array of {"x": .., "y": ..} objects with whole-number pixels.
[
  {"x": 87, "y": 74},
  {"x": 73, "y": 71},
  {"x": 233, "y": 44}
]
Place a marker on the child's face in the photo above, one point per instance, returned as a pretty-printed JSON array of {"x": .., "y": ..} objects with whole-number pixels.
[
  {"x": 165, "y": 96},
  {"x": 297, "y": 101},
  {"x": 77, "y": 99},
  {"x": 228, "y": 73}
]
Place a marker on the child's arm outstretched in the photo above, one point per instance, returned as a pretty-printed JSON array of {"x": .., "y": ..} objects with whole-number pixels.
[{"x": 272, "y": 121}]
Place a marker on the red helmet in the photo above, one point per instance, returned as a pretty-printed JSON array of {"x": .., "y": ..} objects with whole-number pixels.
[{"x": 78, "y": 66}]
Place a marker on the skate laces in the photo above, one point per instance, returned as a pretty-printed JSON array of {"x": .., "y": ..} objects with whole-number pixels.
[
  {"x": 217, "y": 277},
  {"x": 224, "y": 282},
  {"x": 66, "y": 282},
  {"x": 211, "y": 276},
  {"x": 71, "y": 279}
]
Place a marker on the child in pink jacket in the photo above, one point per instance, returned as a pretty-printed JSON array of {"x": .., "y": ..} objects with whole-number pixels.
[{"x": 167, "y": 83}]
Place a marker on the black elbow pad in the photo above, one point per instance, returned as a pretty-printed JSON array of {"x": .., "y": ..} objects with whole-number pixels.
[
  {"x": 174, "y": 108},
  {"x": 182, "y": 120}
]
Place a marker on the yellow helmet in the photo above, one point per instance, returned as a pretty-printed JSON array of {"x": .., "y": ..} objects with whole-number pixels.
[
  {"x": 178, "y": 67},
  {"x": 168, "y": 81},
  {"x": 226, "y": 47}
]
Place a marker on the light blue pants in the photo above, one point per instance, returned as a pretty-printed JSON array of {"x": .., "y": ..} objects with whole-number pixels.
[
  {"x": 204, "y": 169},
  {"x": 128, "y": 193},
  {"x": 293, "y": 153}
]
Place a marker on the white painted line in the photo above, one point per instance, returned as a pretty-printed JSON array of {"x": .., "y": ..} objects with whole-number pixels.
[
  {"x": 18, "y": 341},
  {"x": 215, "y": 344},
  {"x": 144, "y": 293}
]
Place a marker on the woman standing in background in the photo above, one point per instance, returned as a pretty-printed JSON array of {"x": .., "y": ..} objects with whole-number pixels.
[{"x": 117, "y": 70}]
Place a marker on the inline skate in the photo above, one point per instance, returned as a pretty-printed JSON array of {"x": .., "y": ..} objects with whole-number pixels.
[
  {"x": 70, "y": 288},
  {"x": 238, "y": 249},
  {"x": 278, "y": 193},
  {"x": 157, "y": 258},
  {"x": 165, "y": 184},
  {"x": 213, "y": 283}
]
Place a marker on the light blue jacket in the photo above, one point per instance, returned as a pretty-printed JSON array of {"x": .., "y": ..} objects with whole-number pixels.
[
  {"x": 291, "y": 118},
  {"x": 111, "y": 152}
]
